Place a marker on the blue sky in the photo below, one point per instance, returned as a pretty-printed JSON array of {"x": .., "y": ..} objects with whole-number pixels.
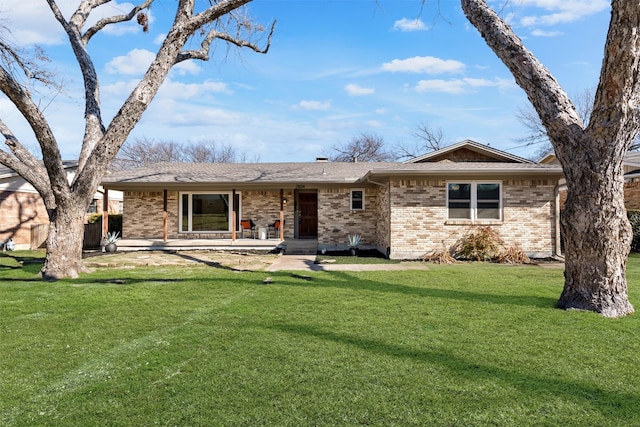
[{"x": 335, "y": 69}]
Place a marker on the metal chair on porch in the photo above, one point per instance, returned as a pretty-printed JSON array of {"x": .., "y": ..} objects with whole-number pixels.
[
  {"x": 275, "y": 227},
  {"x": 249, "y": 226}
]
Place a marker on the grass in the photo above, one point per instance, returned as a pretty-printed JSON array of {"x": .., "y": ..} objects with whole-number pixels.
[
  {"x": 363, "y": 257},
  {"x": 467, "y": 345}
]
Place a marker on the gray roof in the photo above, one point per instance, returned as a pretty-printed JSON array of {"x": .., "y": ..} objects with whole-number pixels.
[
  {"x": 6, "y": 172},
  {"x": 292, "y": 174},
  {"x": 474, "y": 146}
]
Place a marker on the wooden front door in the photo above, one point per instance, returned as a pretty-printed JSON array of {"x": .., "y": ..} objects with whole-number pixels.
[{"x": 307, "y": 215}]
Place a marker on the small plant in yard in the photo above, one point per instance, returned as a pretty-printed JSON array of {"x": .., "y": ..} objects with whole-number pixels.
[
  {"x": 354, "y": 240},
  {"x": 109, "y": 241},
  {"x": 439, "y": 257},
  {"x": 112, "y": 237},
  {"x": 482, "y": 245},
  {"x": 513, "y": 256}
]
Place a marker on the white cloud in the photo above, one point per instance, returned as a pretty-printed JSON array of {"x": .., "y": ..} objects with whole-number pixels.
[
  {"x": 170, "y": 90},
  {"x": 187, "y": 67},
  {"x": 208, "y": 117},
  {"x": 135, "y": 62},
  {"x": 424, "y": 64},
  {"x": 355, "y": 90},
  {"x": 562, "y": 11},
  {"x": 408, "y": 25},
  {"x": 313, "y": 105},
  {"x": 541, "y": 33},
  {"x": 31, "y": 22},
  {"x": 458, "y": 86},
  {"x": 177, "y": 90}
]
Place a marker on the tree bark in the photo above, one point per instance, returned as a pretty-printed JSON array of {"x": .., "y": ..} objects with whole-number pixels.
[
  {"x": 64, "y": 242},
  {"x": 597, "y": 241},
  {"x": 595, "y": 227}
]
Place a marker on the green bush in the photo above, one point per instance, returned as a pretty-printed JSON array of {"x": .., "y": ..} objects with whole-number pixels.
[{"x": 634, "y": 219}]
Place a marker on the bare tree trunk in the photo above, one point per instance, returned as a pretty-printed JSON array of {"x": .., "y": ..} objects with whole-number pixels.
[
  {"x": 597, "y": 240},
  {"x": 64, "y": 243},
  {"x": 596, "y": 230}
]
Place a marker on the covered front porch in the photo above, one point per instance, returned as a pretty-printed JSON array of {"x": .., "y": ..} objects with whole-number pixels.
[{"x": 288, "y": 246}]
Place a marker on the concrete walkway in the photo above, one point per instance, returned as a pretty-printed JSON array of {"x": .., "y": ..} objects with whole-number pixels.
[{"x": 307, "y": 263}]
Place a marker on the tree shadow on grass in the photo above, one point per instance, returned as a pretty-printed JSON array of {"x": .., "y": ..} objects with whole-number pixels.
[
  {"x": 344, "y": 280},
  {"x": 208, "y": 263},
  {"x": 22, "y": 260},
  {"x": 612, "y": 404}
]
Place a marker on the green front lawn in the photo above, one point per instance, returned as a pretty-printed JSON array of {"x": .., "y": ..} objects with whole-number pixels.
[{"x": 455, "y": 345}]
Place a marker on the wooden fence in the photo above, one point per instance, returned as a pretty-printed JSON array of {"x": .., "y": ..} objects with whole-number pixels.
[
  {"x": 39, "y": 234},
  {"x": 92, "y": 235}
]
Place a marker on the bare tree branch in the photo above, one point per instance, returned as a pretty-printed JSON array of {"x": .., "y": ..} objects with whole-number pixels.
[
  {"x": 144, "y": 151},
  {"x": 366, "y": 147},
  {"x": 23, "y": 102},
  {"x": 430, "y": 139},
  {"x": 110, "y": 20},
  {"x": 205, "y": 46}
]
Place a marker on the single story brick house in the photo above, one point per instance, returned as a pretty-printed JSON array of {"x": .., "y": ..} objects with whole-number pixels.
[{"x": 403, "y": 209}]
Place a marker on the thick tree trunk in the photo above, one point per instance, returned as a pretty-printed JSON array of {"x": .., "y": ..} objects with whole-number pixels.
[
  {"x": 597, "y": 240},
  {"x": 64, "y": 243},
  {"x": 596, "y": 231}
]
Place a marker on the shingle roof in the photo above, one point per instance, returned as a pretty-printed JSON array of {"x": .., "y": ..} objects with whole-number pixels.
[
  {"x": 244, "y": 172},
  {"x": 474, "y": 146},
  {"x": 6, "y": 172},
  {"x": 175, "y": 174}
]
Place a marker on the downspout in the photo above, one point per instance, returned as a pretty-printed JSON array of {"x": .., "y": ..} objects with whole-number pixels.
[
  {"x": 558, "y": 245},
  {"x": 388, "y": 186}
]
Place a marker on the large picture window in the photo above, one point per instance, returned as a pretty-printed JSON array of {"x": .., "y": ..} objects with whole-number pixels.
[
  {"x": 474, "y": 200},
  {"x": 206, "y": 212}
]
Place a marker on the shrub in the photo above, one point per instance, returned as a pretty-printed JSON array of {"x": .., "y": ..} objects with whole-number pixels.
[
  {"x": 439, "y": 257},
  {"x": 482, "y": 245},
  {"x": 634, "y": 219},
  {"x": 513, "y": 256}
]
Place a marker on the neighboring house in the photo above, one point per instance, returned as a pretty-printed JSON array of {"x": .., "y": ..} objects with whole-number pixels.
[
  {"x": 23, "y": 216},
  {"x": 403, "y": 209},
  {"x": 631, "y": 179}
]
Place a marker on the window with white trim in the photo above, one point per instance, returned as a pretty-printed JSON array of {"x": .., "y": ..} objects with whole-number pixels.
[
  {"x": 207, "y": 211},
  {"x": 357, "y": 199},
  {"x": 475, "y": 201}
]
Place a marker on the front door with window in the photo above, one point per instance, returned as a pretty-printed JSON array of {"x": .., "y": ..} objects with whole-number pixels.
[{"x": 307, "y": 215}]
